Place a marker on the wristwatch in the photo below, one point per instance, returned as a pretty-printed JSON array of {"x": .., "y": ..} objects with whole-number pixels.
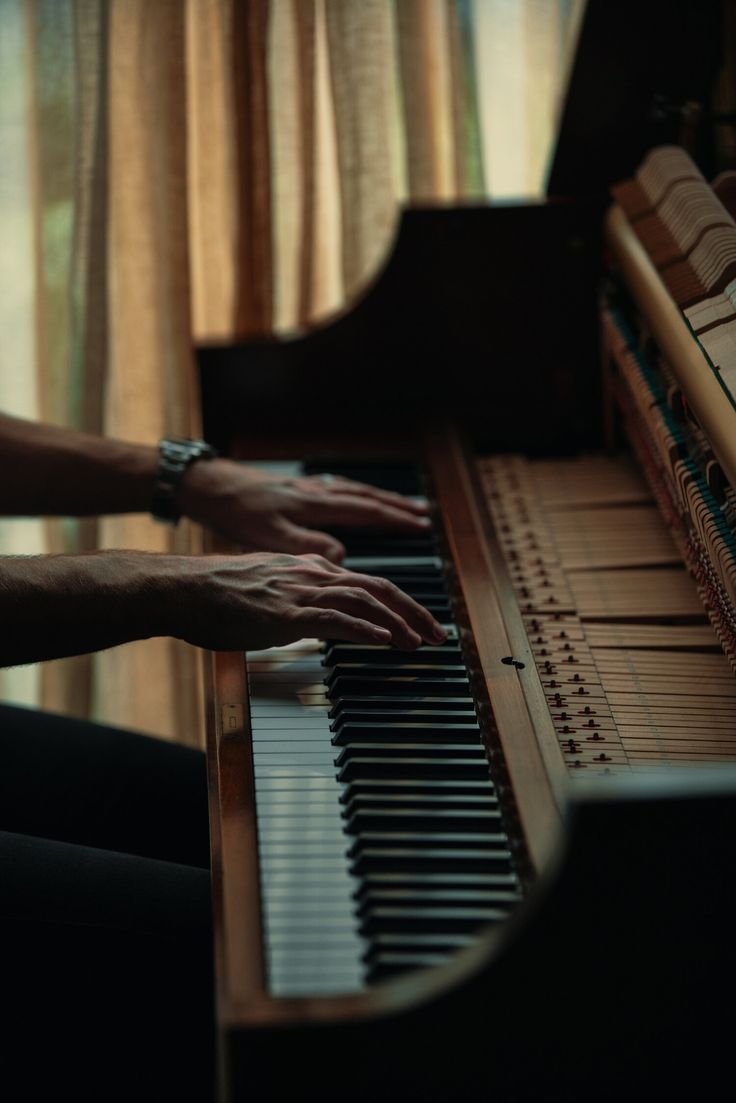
[{"x": 176, "y": 455}]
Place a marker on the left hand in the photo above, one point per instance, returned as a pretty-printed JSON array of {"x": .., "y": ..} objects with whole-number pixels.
[{"x": 263, "y": 512}]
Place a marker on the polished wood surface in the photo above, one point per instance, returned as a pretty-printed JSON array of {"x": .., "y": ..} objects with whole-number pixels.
[{"x": 527, "y": 747}]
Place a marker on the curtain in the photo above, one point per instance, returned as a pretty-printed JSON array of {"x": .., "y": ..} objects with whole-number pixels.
[{"x": 217, "y": 169}]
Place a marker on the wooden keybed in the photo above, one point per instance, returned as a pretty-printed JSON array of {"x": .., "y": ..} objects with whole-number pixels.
[{"x": 582, "y": 879}]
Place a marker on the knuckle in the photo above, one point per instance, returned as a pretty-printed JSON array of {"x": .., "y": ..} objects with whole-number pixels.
[
  {"x": 386, "y": 588},
  {"x": 316, "y": 558}
]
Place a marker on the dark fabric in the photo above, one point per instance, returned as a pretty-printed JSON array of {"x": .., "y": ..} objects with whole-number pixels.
[
  {"x": 99, "y": 786},
  {"x": 106, "y": 988}
]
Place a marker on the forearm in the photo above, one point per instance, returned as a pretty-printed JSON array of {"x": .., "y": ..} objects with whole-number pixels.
[
  {"x": 52, "y": 471},
  {"x": 52, "y": 606},
  {"x": 57, "y": 605}
]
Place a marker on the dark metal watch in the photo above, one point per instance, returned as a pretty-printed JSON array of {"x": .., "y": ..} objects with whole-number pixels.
[{"x": 176, "y": 456}]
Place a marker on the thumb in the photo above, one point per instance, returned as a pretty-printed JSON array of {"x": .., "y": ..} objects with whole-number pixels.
[{"x": 303, "y": 541}]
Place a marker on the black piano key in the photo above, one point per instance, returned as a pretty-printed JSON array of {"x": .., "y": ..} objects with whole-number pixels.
[
  {"x": 389, "y": 919},
  {"x": 463, "y": 704},
  {"x": 409, "y": 752},
  {"x": 468, "y": 734},
  {"x": 430, "y": 588},
  {"x": 407, "y": 669},
  {"x": 359, "y": 821},
  {"x": 416, "y": 897},
  {"x": 376, "y": 543},
  {"x": 418, "y": 941},
  {"x": 449, "y": 652},
  {"x": 389, "y": 717},
  {"x": 446, "y": 840},
  {"x": 417, "y": 804},
  {"x": 401, "y": 476},
  {"x": 449, "y": 881},
  {"x": 392, "y": 964},
  {"x": 439, "y": 607},
  {"x": 370, "y": 767},
  {"x": 478, "y": 786},
  {"x": 449, "y": 859},
  {"x": 365, "y": 685}
]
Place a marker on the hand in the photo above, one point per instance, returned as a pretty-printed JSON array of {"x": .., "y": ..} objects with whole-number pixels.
[
  {"x": 259, "y": 511},
  {"x": 252, "y": 601}
]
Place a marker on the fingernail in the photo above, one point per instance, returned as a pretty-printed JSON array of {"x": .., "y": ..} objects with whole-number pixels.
[
  {"x": 439, "y": 634},
  {"x": 425, "y": 522},
  {"x": 382, "y": 634}
]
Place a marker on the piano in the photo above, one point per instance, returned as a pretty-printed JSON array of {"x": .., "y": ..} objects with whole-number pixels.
[{"x": 498, "y": 868}]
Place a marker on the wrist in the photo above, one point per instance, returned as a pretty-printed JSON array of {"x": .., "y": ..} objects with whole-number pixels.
[{"x": 176, "y": 457}]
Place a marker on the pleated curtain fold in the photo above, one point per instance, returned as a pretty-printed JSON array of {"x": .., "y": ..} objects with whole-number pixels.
[{"x": 191, "y": 170}]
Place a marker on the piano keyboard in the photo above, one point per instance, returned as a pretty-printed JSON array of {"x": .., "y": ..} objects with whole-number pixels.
[{"x": 381, "y": 841}]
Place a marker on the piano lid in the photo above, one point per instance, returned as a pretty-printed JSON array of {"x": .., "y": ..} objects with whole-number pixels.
[
  {"x": 485, "y": 313},
  {"x": 637, "y": 67}
]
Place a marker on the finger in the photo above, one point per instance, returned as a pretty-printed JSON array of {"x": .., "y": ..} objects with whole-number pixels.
[
  {"x": 334, "y": 625},
  {"x": 341, "y": 485},
  {"x": 346, "y": 509},
  {"x": 325, "y": 564},
  {"x": 414, "y": 615},
  {"x": 362, "y": 605},
  {"x": 303, "y": 541}
]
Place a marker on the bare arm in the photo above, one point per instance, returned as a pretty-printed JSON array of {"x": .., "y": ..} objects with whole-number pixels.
[
  {"x": 52, "y": 606},
  {"x": 53, "y": 471},
  {"x": 60, "y": 472}
]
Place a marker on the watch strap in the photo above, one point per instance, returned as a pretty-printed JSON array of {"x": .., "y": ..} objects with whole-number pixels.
[{"x": 176, "y": 455}]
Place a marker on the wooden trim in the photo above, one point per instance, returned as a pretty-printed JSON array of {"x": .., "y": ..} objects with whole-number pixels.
[
  {"x": 236, "y": 896},
  {"x": 715, "y": 413},
  {"x": 526, "y": 734}
]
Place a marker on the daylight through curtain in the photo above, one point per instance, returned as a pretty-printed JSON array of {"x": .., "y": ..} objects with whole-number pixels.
[{"x": 190, "y": 169}]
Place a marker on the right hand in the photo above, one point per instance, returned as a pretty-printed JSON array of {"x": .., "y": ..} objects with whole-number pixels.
[{"x": 248, "y": 602}]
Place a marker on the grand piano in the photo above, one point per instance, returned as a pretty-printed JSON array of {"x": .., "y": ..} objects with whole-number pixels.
[{"x": 496, "y": 869}]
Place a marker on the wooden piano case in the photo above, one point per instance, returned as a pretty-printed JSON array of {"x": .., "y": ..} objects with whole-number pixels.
[{"x": 612, "y": 964}]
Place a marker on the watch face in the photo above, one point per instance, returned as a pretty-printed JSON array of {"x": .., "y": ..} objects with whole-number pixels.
[{"x": 177, "y": 450}]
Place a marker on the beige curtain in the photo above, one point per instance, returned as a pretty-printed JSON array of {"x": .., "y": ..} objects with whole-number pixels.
[{"x": 194, "y": 169}]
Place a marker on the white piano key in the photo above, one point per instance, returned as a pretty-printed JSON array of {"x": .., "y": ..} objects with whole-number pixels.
[
  {"x": 298, "y": 818},
  {"x": 318, "y": 985},
  {"x": 316, "y": 842},
  {"x": 263, "y": 726},
  {"x": 317, "y": 783},
  {"x": 263, "y": 673},
  {"x": 296, "y": 748},
  {"x": 310, "y": 910},
  {"x": 311, "y": 939},
  {"x": 274, "y": 758},
  {"x": 313, "y": 920},
  {"x": 314, "y": 770},
  {"x": 289, "y": 829}
]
